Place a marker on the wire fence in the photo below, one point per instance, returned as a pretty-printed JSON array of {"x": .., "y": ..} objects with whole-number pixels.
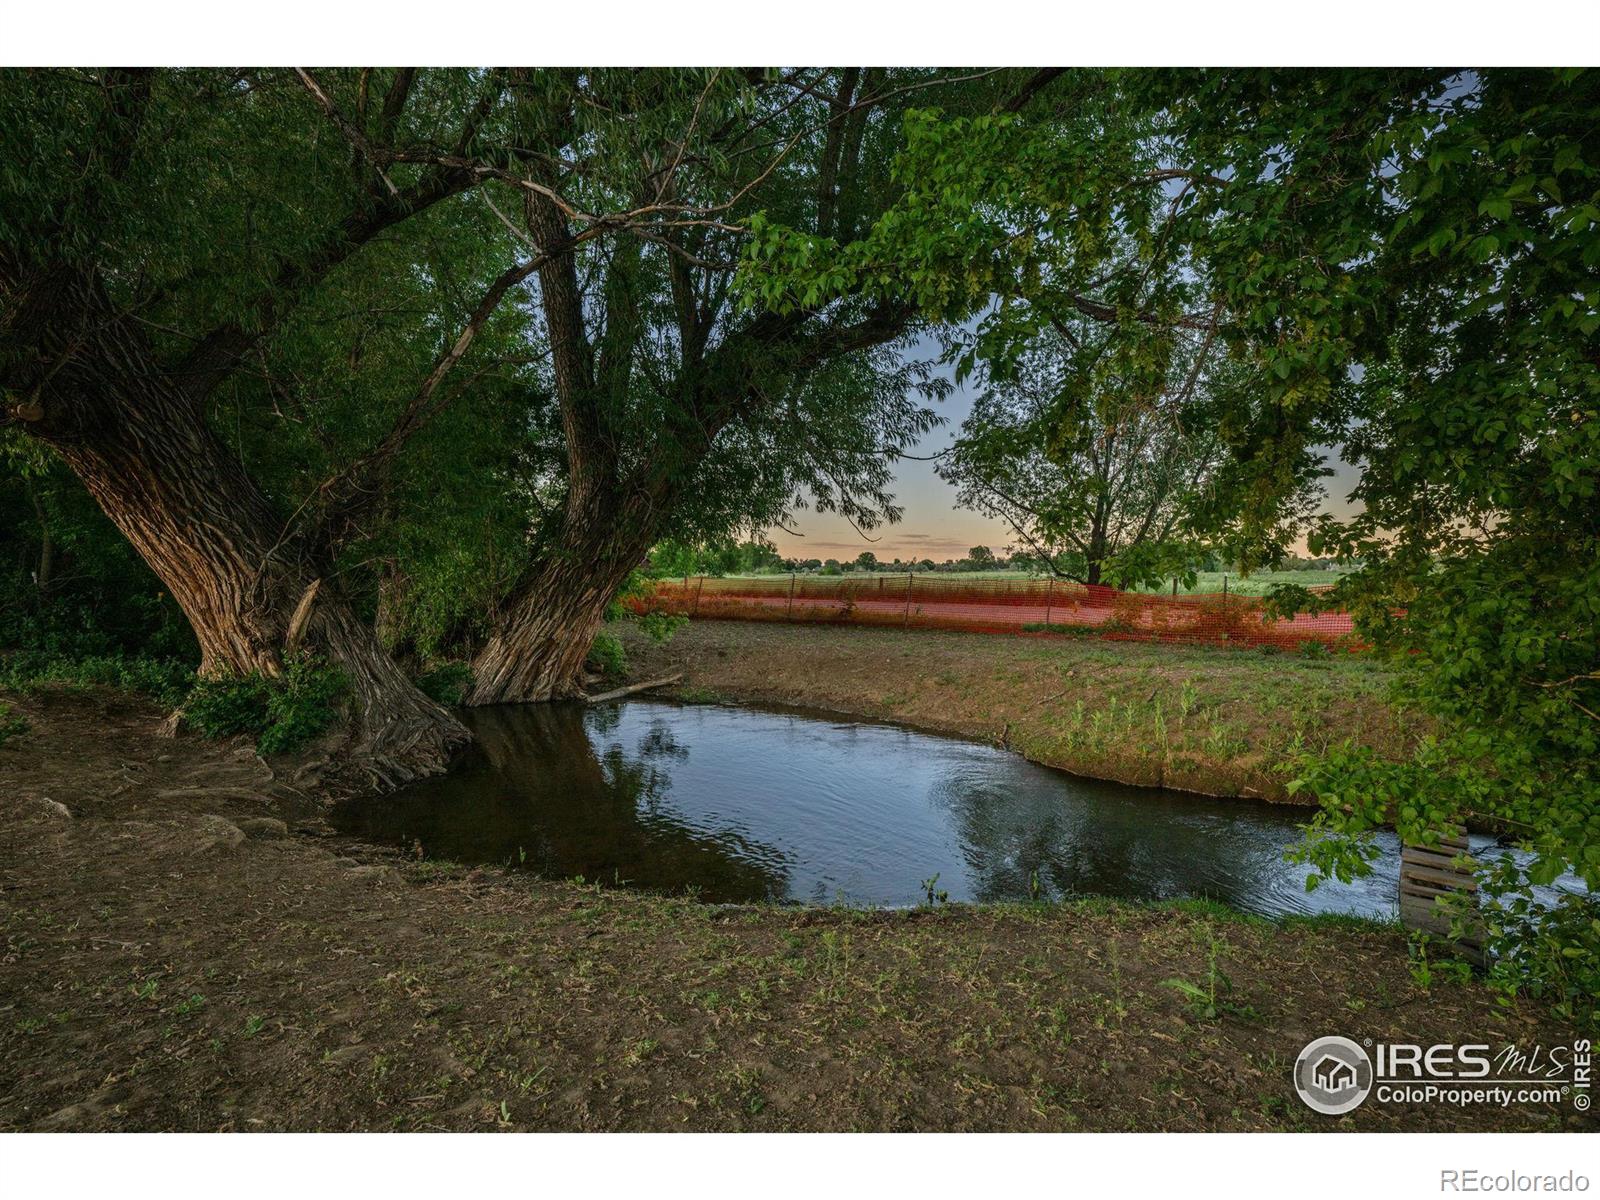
[{"x": 1022, "y": 606}]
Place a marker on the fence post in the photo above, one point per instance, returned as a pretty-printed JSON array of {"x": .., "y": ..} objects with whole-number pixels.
[
  {"x": 1174, "y": 585},
  {"x": 698, "y": 589},
  {"x": 909, "y": 577},
  {"x": 1224, "y": 589},
  {"x": 790, "y": 612},
  {"x": 1049, "y": 597}
]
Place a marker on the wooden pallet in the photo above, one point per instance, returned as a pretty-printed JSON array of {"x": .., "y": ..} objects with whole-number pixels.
[{"x": 1429, "y": 874}]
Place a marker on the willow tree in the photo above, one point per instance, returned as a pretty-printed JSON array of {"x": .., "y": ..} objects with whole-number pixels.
[
  {"x": 159, "y": 231},
  {"x": 685, "y": 406}
]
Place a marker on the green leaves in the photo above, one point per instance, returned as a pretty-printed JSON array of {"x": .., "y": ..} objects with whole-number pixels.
[{"x": 283, "y": 712}]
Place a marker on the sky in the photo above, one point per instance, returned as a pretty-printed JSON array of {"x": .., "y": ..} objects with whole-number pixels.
[{"x": 933, "y": 527}]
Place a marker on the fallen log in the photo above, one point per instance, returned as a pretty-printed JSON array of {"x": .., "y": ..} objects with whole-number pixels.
[{"x": 620, "y": 692}]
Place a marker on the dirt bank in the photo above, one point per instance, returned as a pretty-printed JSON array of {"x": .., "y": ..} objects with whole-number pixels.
[
  {"x": 1217, "y": 721},
  {"x": 176, "y": 959}
]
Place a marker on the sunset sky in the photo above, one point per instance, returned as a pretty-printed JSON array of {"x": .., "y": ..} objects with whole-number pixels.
[{"x": 933, "y": 527}]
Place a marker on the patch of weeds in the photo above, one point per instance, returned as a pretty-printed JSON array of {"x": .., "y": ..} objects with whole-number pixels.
[
  {"x": 607, "y": 655},
  {"x": 1068, "y": 630},
  {"x": 835, "y": 962},
  {"x": 12, "y": 724},
  {"x": 934, "y": 893},
  {"x": 283, "y": 712},
  {"x": 747, "y": 1089},
  {"x": 446, "y": 683},
  {"x": 1188, "y": 698},
  {"x": 1208, "y": 1000},
  {"x": 1056, "y": 1024},
  {"x": 525, "y": 1084},
  {"x": 1425, "y": 967},
  {"x": 1215, "y": 910},
  {"x": 193, "y": 1004},
  {"x": 639, "y": 1051},
  {"x": 164, "y": 679},
  {"x": 696, "y": 694},
  {"x": 1342, "y": 922},
  {"x": 1119, "y": 1006},
  {"x": 254, "y": 1025}
]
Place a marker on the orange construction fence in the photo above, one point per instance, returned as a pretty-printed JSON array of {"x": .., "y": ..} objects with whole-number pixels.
[{"x": 1034, "y": 606}]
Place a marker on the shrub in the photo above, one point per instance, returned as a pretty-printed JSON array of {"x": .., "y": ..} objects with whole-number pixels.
[
  {"x": 11, "y": 724},
  {"x": 446, "y": 683},
  {"x": 607, "y": 655},
  {"x": 303, "y": 703},
  {"x": 284, "y": 712},
  {"x": 223, "y": 705},
  {"x": 166, "y": 680},
  {"x": 1550, "y": 951},
  {"x": 638, "y": 599}
]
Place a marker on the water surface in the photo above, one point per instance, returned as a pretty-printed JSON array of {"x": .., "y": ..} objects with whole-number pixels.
[{"x": 740, "y": 804}]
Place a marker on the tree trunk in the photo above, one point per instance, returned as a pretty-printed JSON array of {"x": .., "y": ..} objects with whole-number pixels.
[
  {"x": 45, "y": 572},
  {"x": 539, "y": 644},
  {"x": 143, "y": 449},
  {"x": 543, "y": 634}
]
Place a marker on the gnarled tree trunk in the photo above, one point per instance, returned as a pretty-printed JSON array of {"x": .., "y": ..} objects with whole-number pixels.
[
  {"x": 543, "y": 633},
  {"x": 142, "y": 447}
]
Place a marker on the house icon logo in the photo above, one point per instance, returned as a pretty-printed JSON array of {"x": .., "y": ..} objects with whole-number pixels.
[{"x": 1333, "y": 1075}]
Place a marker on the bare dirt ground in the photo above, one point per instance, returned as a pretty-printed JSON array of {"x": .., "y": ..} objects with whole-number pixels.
[
  {"x": 1214, "y": 720},
  {"x": 175, "y": 958}
]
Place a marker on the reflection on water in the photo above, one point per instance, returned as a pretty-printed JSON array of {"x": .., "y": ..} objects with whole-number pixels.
[{"x": 741, "y": 804}]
